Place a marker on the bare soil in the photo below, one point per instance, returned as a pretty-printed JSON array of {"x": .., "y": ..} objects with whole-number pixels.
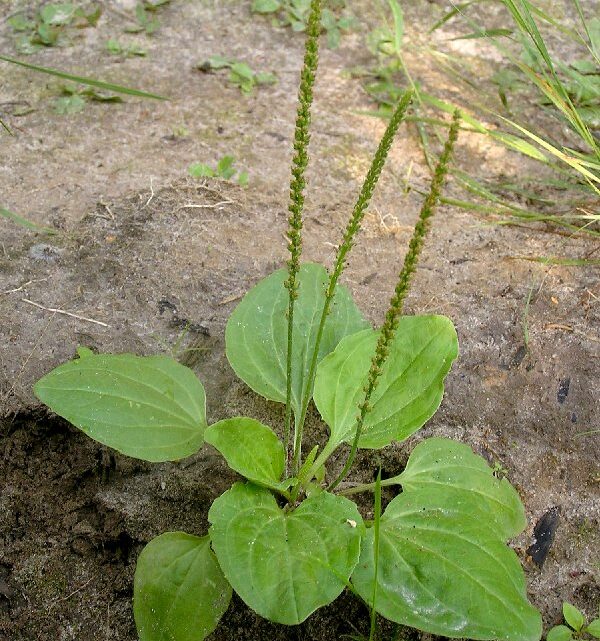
[{"x": 148, "y": 252}]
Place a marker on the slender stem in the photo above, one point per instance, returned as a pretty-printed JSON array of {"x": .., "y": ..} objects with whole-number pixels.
[
  {"x": 367, "y": 487},
  {"x": 326, "y": 452},
  {"x": 377, "y": 521},
  {"x": 420, "y": 128},
  {"x": 411, "y": 259},
  {"x": 297, "y": 186},
  {"x": 352, "y": 228}
]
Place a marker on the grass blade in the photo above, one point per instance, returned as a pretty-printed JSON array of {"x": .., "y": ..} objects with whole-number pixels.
[
  {"x": 28, "y": 224},
  {"x": 569, "y": 160},
  {"x": 5, "y": 126},
  {"x": 108, "y": 86},
  {"x": 562, "y": 261},
  {"x": 398, "y": 25}
]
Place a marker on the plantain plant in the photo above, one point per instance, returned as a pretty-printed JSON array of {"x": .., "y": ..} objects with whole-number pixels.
[{"x": 287, "y": 538}]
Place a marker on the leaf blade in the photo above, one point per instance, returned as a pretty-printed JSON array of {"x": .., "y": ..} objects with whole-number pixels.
[
  {"x": 446, "y": 570},
  {"x": 443, "y": 463},
  {"x": 176, "y": 575},
  {"x": 410, "y": 388},
  {"x": 24, "y": 222},
  {"x": 250, "y": 448},
  {"x": 256, "y": 333},
  {"x": 84, "y": 80},
  {"x": 573, "y": 616},
  {"x": 314, "y": 548},
  {"x": 148, "y": 407}
]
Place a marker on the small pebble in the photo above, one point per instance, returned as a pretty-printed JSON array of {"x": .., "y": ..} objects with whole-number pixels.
[
  {"x": 44, "y": 252},
  {"x": 563, "y": 390}
]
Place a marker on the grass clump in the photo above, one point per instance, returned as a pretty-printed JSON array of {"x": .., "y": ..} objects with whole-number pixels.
[{"x": 568, "y": 93}]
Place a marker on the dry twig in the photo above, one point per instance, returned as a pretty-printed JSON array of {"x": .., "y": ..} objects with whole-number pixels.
[{"x": 65, "y": 313}]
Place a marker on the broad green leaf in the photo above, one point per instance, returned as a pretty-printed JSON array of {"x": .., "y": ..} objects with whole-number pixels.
[
  {"x": 594, "y": 628},
  {"x": 265, "y": 6},
  {"x": 91, "y": 17},
  {"x": 114, "y": 47},
  {"x": 573, "y": 616},
  {"x": 443, "y": 566},
  {"x": 148, "y": 407},
  {"x": 328, "y": 19},
  {"x": 285, "y": 564},
  {"x": 57, "y": 14},
  {"x": 219, "y": 62},
  {"x": 246, "y": 86},
  {"x": 559, "y": 633},
  {"x": 345, "y": 23},
  {"x": 201, "y": 170},
  {"x": 20, "y": 23},
  {"x": 225, "y": 163},
  {"x": 243, "y": 70},
  {"x": 410, "y": 388},
  {"x": 334, "y": 37},
  {"x": 265, "y": 78},
  {"x": 256, "y": 333},
  {"x": 250, "y": 448},
  {"x": 46, "y": 34},
  {"x": 66, "y": 105},
  {"x": 225, "y": 167},
  {"x": 179, "y": 591},
  {"x": 27, "y": 44},
  {"x": 440, "y": 464}
]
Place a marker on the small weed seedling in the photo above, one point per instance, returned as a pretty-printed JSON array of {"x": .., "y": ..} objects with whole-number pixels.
[
  {"x": 240, "y": 74},
  {"x": 287, "y": 538},
  {"x": 116, "y": 48},
  {"x": 91, "y": 83},
  {"x": 84, "y": 80},
  {"x": 224, "y": 169},
  {"x": 295, "y": 13},
  {"x": 50, "y": 24},
  {"x": 145, "y": 17},
  {"x": 74, "y": 99},
  {"x": 576, "y": 627}
]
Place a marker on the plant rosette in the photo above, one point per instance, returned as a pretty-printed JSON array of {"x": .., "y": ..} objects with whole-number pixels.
[
  {"x": 436, "y": 559},
  {"x": 444, "y": 566}
]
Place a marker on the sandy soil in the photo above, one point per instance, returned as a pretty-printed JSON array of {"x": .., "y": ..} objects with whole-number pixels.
[{"x": 146, "y": 251}]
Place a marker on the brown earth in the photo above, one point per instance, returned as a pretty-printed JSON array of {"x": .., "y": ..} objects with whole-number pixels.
[{"x": 148, "y": 252}]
